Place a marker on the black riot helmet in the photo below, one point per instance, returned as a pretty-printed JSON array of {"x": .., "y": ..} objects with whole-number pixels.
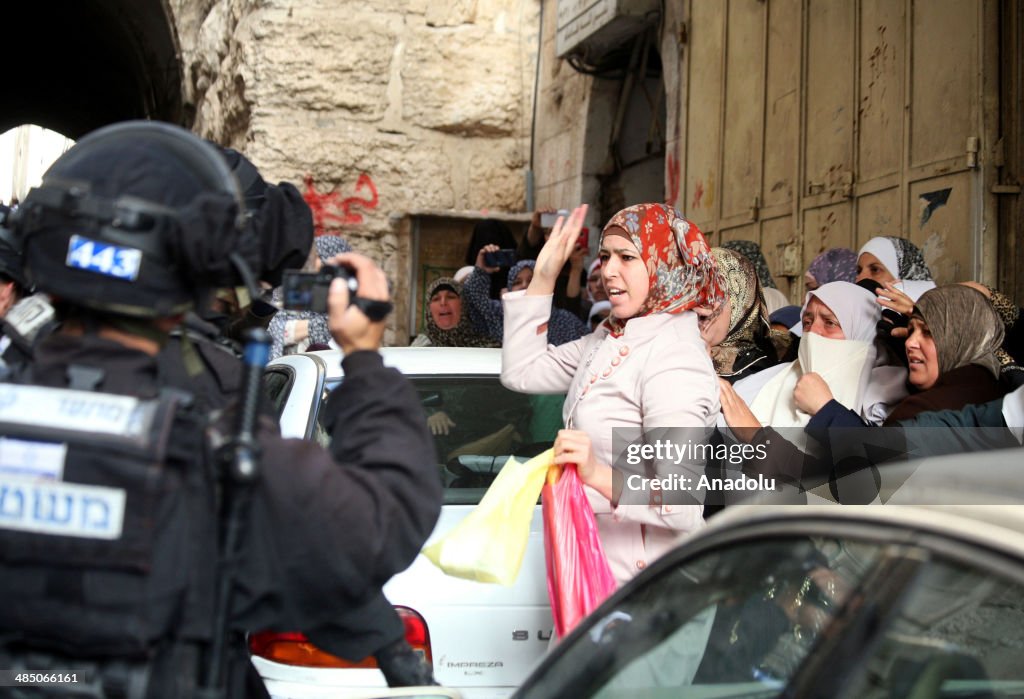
[
  {"x": 279, "y": 215},
  {"x": 11, "y": 266},
  {"x": 136, "y": 219}
]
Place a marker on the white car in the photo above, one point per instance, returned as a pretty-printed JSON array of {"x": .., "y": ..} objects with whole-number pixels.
[{"x": 483, "y": 639}]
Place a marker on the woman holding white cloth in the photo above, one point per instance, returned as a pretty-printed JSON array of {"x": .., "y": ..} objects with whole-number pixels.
[
  {"x": 839, "y": 327},
  {"x": 646, "y": 366}
]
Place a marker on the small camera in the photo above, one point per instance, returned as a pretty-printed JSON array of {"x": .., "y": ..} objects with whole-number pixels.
[
  {"x": 500, "y": 258},
  {"x": 307, "y": 291},
  {"x": 547, "y": 220}
]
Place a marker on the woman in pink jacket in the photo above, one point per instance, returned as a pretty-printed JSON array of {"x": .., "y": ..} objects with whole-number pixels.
[{"x": 645, "y": 368}]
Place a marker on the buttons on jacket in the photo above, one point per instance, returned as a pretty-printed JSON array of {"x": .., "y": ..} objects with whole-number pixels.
[{"x": 640, "y": 565}]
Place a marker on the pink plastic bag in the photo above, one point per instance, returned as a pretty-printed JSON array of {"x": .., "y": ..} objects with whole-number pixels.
[{"x": 579, "y": 577}]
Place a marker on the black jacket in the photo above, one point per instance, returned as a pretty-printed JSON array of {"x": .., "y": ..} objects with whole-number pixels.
[{"x": 324, "y": 531}]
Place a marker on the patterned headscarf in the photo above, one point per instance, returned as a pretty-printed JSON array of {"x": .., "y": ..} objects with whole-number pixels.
[
  {"x": 752, "y": 251},
  {"x": 964, "y": 326},
  {"x": 563, "y": 326},
  {"x": 518, "y": 267},
  {"x": 750, "y": 340},
  {"x": 680, "y": 267},
  {"x": 462, "y": 335},
  {"x": 327, "y": 246},
  {"x": 834, "y": 265},
  {"x": 902, "y": 258}
]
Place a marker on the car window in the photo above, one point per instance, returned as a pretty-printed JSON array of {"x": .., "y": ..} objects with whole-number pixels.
[
  {"x": 477, "y": 425},
  {"x": 277, "y": 383},
  {"x": 958, "y": 632},
  {"x": 735, "y": 622}
]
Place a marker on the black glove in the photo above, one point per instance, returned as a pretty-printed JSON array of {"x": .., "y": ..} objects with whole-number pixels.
[{"x": 402, "y": 667}]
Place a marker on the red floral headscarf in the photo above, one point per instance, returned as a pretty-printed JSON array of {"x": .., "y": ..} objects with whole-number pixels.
[{"x": 682, "y": 271}]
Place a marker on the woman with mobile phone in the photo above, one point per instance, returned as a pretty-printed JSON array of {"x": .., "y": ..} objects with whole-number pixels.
[
  {"x": 488, "y": 316},
  {"x": 898, "y": 265}
]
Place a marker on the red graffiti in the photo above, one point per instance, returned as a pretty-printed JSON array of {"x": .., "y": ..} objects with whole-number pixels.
[
  {"x": 329, "y": 207},
  {"x": 672, "y": 180},
  {"x": 698, "y": 194}
]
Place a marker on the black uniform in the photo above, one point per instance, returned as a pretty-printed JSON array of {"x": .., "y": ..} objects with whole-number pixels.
[
  {"x": 197, "y": 358},
  {"x": 322, "y": 534}
]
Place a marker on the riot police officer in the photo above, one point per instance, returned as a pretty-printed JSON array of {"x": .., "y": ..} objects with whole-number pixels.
[{"x": 110, "y": 507}]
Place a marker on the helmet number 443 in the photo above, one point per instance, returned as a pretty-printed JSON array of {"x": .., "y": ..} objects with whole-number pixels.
[{"x": 110, "y": 260}]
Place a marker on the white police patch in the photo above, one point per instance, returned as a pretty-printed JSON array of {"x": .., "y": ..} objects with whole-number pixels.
[
  {"x": 61, "y": 509},
  {"x": 80, "y": 411},
  {"x": 110, "y": 260},
  {"x": 23, "y": 458}
]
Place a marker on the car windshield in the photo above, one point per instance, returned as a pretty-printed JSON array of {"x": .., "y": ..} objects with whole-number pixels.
[
  {"x": 477, "y": 425},
  {"x": 731, "y": 623},
  {"x": 958, "y": 632},
  {"x": 807, "y": 616}
]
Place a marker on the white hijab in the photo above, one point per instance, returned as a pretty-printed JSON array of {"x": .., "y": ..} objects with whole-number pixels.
[
  {"x": 847, "y": 366},
  {"x": 884, "y": 249}
]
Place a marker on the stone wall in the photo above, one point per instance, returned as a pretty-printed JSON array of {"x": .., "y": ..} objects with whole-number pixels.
[
  {"x": 563, "y": 117},
  {"x": 377, "y": 109}
]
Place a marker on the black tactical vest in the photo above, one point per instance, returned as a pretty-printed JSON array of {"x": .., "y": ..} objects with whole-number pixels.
[{"x": 108, "y": 529}]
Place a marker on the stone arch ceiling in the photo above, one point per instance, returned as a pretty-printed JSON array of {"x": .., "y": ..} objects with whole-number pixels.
[{"x": 75, "y": 65}]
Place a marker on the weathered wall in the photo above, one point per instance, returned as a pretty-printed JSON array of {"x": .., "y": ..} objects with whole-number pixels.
[
  {"x": 809, "y": 125},
  {"x": 378, "y": 109},
  {"x": 576, "y": 119}
]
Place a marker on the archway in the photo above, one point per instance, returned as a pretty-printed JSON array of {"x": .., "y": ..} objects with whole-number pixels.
[{"x": 76, "y": 65}]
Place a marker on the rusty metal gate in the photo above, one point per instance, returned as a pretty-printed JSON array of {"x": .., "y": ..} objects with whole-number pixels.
[{"x": 810, "y": 124}]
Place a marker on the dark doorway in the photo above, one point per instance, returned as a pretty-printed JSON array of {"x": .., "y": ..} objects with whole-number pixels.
[
  {"x": 625, "y": 148},
  {"x": 76, "y": 65}
]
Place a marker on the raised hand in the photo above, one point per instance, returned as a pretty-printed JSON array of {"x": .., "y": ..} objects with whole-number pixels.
[{"x": 556, "y": 251}]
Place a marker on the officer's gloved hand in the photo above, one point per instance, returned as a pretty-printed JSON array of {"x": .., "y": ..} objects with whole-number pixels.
[{"x": 402, "y": 667}]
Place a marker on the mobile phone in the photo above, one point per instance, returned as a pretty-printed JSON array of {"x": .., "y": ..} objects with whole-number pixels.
[
  {"x": 500, "y": 258},
  {"x": 548, "y": 220},
  {"x": 584, "y": 240},
  {"x": 307, "y": 291},
  {"x": 898, "y": 284}
]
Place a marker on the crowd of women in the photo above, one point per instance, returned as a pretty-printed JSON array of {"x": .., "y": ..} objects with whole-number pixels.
[
  {"x": 690, "y": 343},
  {"x": 664, "y": 335}
]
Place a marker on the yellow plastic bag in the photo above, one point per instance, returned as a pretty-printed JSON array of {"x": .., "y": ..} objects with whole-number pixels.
[{"x": 489, "y": 544}]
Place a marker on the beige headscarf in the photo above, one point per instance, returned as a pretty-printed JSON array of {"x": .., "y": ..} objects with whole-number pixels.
[{"x": 965, "y": 327}]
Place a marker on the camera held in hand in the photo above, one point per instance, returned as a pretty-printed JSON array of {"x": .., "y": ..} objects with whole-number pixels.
[
  {"x": 307, "y": 291},
  {"x": 500, "y": 258}
]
